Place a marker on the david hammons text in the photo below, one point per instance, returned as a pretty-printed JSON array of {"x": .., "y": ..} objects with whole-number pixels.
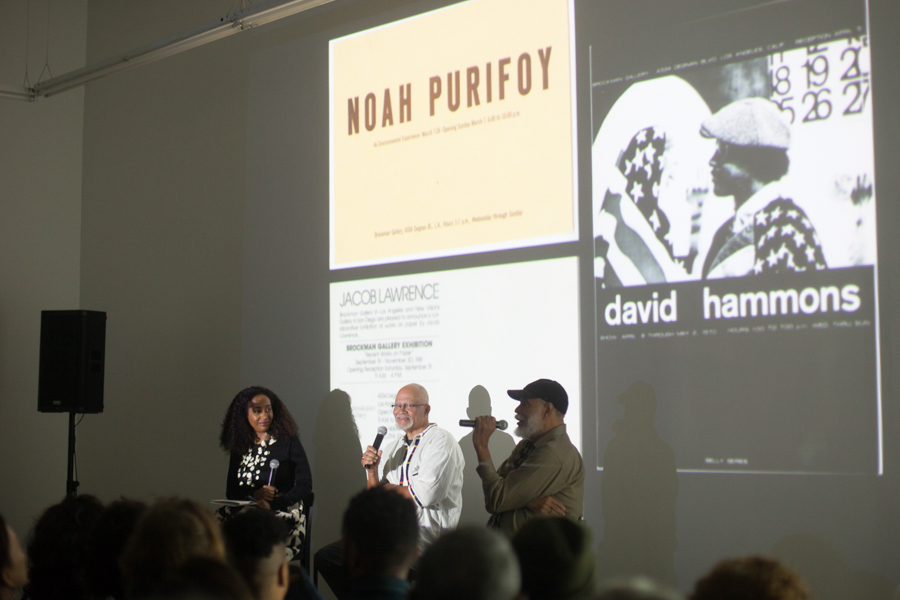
[{"x": 808, "y": 301}]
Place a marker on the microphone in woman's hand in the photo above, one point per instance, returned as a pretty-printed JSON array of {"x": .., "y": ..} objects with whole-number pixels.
[{"x": 273, "y": 466}]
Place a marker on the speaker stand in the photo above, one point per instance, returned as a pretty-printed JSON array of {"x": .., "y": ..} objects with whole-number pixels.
[{"x": 71, "y": 484}]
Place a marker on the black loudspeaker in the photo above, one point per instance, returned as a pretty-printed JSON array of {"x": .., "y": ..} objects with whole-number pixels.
[{"x": 73, "y": 348}]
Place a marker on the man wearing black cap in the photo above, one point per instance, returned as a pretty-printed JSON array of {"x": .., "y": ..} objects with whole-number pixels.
[{"x": 544, "y": 474}]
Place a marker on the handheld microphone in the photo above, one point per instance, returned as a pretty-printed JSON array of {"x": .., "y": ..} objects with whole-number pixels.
[
  {"x": 501, "y": 425},
  {"x": 382, "y": 431},
  {"x": 273, "y": 466}
]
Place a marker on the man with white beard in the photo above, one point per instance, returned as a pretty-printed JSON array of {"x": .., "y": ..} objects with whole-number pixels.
[{"x": 544, "y": 474}]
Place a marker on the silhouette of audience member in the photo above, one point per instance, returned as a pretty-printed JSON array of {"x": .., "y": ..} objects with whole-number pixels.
[
  {"x": 13, "y": 568},
  {"x": 168, "y": 534},
  {"x": 254, "y": 541},
  {"x": 470, "y": 563},
  {"x": 57, "y": 549},
  {"x": 381, "y": 543},
  {"x": 500, "y": 444},
  {"x": 556, "y": 559},
  {"x": 203, "y": 578},
  {"x": 636, "y": 588},
  {"x": 105, "y": 546},
  {"x": 750, "y": 578},
  {"x": 638, "y": 490}
]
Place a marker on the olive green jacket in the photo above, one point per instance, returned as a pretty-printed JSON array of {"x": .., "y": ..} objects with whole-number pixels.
[{"x": 551, "y": 466}]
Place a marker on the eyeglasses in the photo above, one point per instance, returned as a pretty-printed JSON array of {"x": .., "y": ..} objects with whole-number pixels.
[{"x": 405, "y": 406}]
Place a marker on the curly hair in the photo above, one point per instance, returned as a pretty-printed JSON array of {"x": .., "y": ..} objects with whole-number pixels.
[
  {"x": 237, "y": 434},
  {"x": 750, "y": 578}
]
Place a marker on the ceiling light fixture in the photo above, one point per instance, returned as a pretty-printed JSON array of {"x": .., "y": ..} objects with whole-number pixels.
[{"x": 241, "y": 20}]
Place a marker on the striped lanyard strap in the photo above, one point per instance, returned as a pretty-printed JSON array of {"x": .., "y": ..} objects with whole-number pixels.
[{"x": 404, "y": 471}]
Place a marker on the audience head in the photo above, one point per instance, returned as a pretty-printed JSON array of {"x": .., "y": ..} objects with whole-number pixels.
[
  {"x": 556, "y": 559},
  {"x": 13, "y": 566},
  {"x": 255, "y": 541},
  {"x": 636, "y": 588},
  {"x": 105, "y": 546},
  {"x": 238, "y": 434},
  {"x": 472, "y": 563},
  {"x": 750, "y": 578},
  {"x": 58, "y": 546},
  {"x": 203, "y": 578},
  {"x": 168, "y": 534},
  {"x": 381, "y": 533}
]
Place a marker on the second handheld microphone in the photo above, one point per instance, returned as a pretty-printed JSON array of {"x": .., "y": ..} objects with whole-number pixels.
[{"x": 501, "y": 425}]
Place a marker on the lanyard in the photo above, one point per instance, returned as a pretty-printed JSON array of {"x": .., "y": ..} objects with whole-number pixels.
[{"x": 404, "y": 471}]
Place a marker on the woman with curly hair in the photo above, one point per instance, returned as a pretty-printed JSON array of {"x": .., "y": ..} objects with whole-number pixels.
[{"x": 258, "y": 430}]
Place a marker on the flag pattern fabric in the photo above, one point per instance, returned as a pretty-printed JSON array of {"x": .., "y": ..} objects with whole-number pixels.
[
  {"x": 633, "y": 247},
  {"x": 785, "y": 240}
]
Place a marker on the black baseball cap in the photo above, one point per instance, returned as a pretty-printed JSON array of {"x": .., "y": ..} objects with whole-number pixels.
[{"x": 545, "y": 389}]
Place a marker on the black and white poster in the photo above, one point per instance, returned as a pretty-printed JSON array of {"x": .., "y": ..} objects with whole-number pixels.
[{"x": 735, "y": 255}]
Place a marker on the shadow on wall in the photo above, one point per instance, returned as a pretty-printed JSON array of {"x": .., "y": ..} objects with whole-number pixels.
[
  {"x": 827, "y": 573},
  {"x": 501, "y": 446},
  {"x": 337, "y": 474},
  {"x": 638, "y": 491}
]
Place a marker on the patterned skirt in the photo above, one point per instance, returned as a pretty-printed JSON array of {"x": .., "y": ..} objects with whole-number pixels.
[{"x": 292, "y": 516}]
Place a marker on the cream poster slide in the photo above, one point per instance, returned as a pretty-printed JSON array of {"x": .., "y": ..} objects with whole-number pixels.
[{"x": 453, "y": 132}]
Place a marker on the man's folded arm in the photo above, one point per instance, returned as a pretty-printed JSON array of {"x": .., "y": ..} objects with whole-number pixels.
[{"x": 541, "y": 475}]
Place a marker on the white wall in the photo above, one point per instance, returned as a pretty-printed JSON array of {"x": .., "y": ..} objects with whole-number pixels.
[
  {"x": 162, "y": 222},
  {"x": 40, "y": 245}
]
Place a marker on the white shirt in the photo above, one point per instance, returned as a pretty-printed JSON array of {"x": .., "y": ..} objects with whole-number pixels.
[{"x": 431, "y": 465}]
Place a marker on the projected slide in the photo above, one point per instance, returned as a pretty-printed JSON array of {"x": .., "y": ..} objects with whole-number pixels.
[
  {"x": 454, "y": 330},
  {"x": 452, "y": 133},
  {"x": 735, "y": 250}
]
